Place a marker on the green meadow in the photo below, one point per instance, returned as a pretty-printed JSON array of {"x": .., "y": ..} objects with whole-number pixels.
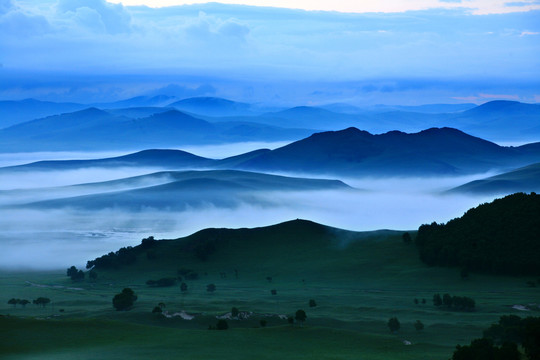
[{"x": 358, "y": 281}]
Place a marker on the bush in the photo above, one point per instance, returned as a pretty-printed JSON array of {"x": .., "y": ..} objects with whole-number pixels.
[{"x": 418, "y": 325}]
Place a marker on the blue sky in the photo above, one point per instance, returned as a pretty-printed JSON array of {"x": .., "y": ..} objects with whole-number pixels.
[{"x": 432, "y": 51}]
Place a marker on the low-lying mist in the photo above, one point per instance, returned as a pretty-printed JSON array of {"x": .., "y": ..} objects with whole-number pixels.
[
  {"x": 58, "y": 238},
  {"x": 34, "y": 238}
]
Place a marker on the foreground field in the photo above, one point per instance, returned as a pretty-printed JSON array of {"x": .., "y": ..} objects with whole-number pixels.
[{"x": 358, "y": 281}]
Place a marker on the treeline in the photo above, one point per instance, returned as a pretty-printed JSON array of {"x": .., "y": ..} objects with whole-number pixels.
[
  {"x": 501, "y": 340},
  {"x": 501, "y": 237},
  {"x": 461, "y": 303},
  {"x": 199, "y": 248}
]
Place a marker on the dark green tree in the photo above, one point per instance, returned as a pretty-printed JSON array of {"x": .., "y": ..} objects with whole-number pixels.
[
  {"x": 393, "y": 324},
  {"x": 43, "y": 301},
  {"x": 124, "y": 300},
  {"x": 300, "y": 316},
  {"x": 211, "y": 288},
  {"x": 406, "y": 238},
  {"x": 183, "y": 287},
  {"x": 235, "y": 312},
  {"x": 437, "y": 300},
  {"x": 447, "y": 300},
  {"x": 222, "y": 325},
  {"x": 13, "y": 302},
  {"x": 312, "y": 303},
  {"x": 418, "y": 325},
  {"x": 24, "y": 302}
]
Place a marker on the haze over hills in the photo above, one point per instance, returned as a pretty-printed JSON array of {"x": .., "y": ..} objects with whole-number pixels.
[
  {"x": 95, "y": 129},
  {"x": 213, "y": 106},
  {"x": 15, "y": 112},
  {"x": 435, "y": 151},
  {"x": 496, "y": 120},
  {"x": 178, "y": 191},
  {"x": 525, "y": 179}
]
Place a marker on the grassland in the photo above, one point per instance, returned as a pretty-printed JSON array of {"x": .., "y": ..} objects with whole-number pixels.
[{"x": 358, "y": 280}]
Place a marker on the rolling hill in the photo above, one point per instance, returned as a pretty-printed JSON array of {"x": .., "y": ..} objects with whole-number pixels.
[
  {"x": 213, "y": 106},
  {"x": 178, "y": 191},
  {"x": 159, "y": 159},
  {"x": 16, "y": 112},
  {"x": 525, "y": 179}
]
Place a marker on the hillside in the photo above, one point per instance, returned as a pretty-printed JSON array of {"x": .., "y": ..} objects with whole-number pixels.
[
  {"x": 212, "y": 106},
  {"x": 501, "y": 237},
  {"x": 525, "y": 179},
  {"x": 277, "y": 250},
  {"x": 155, "y": 158},
  {"x": 436, "y": 151},
  {"x": 177, "y": 190}
]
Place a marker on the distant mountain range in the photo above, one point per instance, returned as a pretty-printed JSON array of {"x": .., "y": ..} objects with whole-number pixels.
[
  {"x": 174, "y": 190},
  {"x": 350, "y": 152},
  {"x": 95, "y": 129}
]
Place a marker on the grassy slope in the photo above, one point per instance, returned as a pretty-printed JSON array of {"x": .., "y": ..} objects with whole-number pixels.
[{"x": 359, "y": 280}]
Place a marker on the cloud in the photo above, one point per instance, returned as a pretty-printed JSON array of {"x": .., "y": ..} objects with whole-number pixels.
[
  {"x": 19, "y": 24},
  {"x": 5, "y": 6},
  {"x": 528, "y": 33},
  {"x": 97, "y": 15}
]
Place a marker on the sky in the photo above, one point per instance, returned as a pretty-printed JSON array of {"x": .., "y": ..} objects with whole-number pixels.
[{"x": 361, "y": 52}]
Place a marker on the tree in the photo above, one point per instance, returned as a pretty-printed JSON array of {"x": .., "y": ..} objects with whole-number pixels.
[
  {"x": 41, "y": 301},
  {"x": 393, "y": 324},
  {"x": 24, "y": 302},
  {"x": 312, "y": 303},
  {"x": 300, "y": 316},
  {"x": 418, "y": 325},
  {"x": 437, "y": 300},
  {"x": 235, "y": 312},
  {"x": 75, "y": 274},
  {"x": 447, "y": 300},
  {"x": 263, "y": 322},
  {"x": 183, "y": 287},
  {"x": 157, "y": 310},
  {"x": 273, "y": 292},
  {"x": 124, "y": 300},
  {"x": 406, "y": 238},
  {"x": 222, "y": 325},
  {"x": 211, "y": 288},
  {"x": 13, "y": 302}
]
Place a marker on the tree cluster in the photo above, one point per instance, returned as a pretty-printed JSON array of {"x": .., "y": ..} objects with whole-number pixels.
[
  {"x": 501, "y": 237},
  {"x": 114, "y": 260},
  {"x": 74, "y": 274},
  {"x": 501, "y": 340},
  {"x": 461, "y": 303},
  {"x": 43, "y": 301},
  {"x": 16, "y": 302},
  {"x": 163, "y": 282}
]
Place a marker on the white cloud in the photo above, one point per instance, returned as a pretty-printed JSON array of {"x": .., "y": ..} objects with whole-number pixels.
[{"x": 97, "y": 14}]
